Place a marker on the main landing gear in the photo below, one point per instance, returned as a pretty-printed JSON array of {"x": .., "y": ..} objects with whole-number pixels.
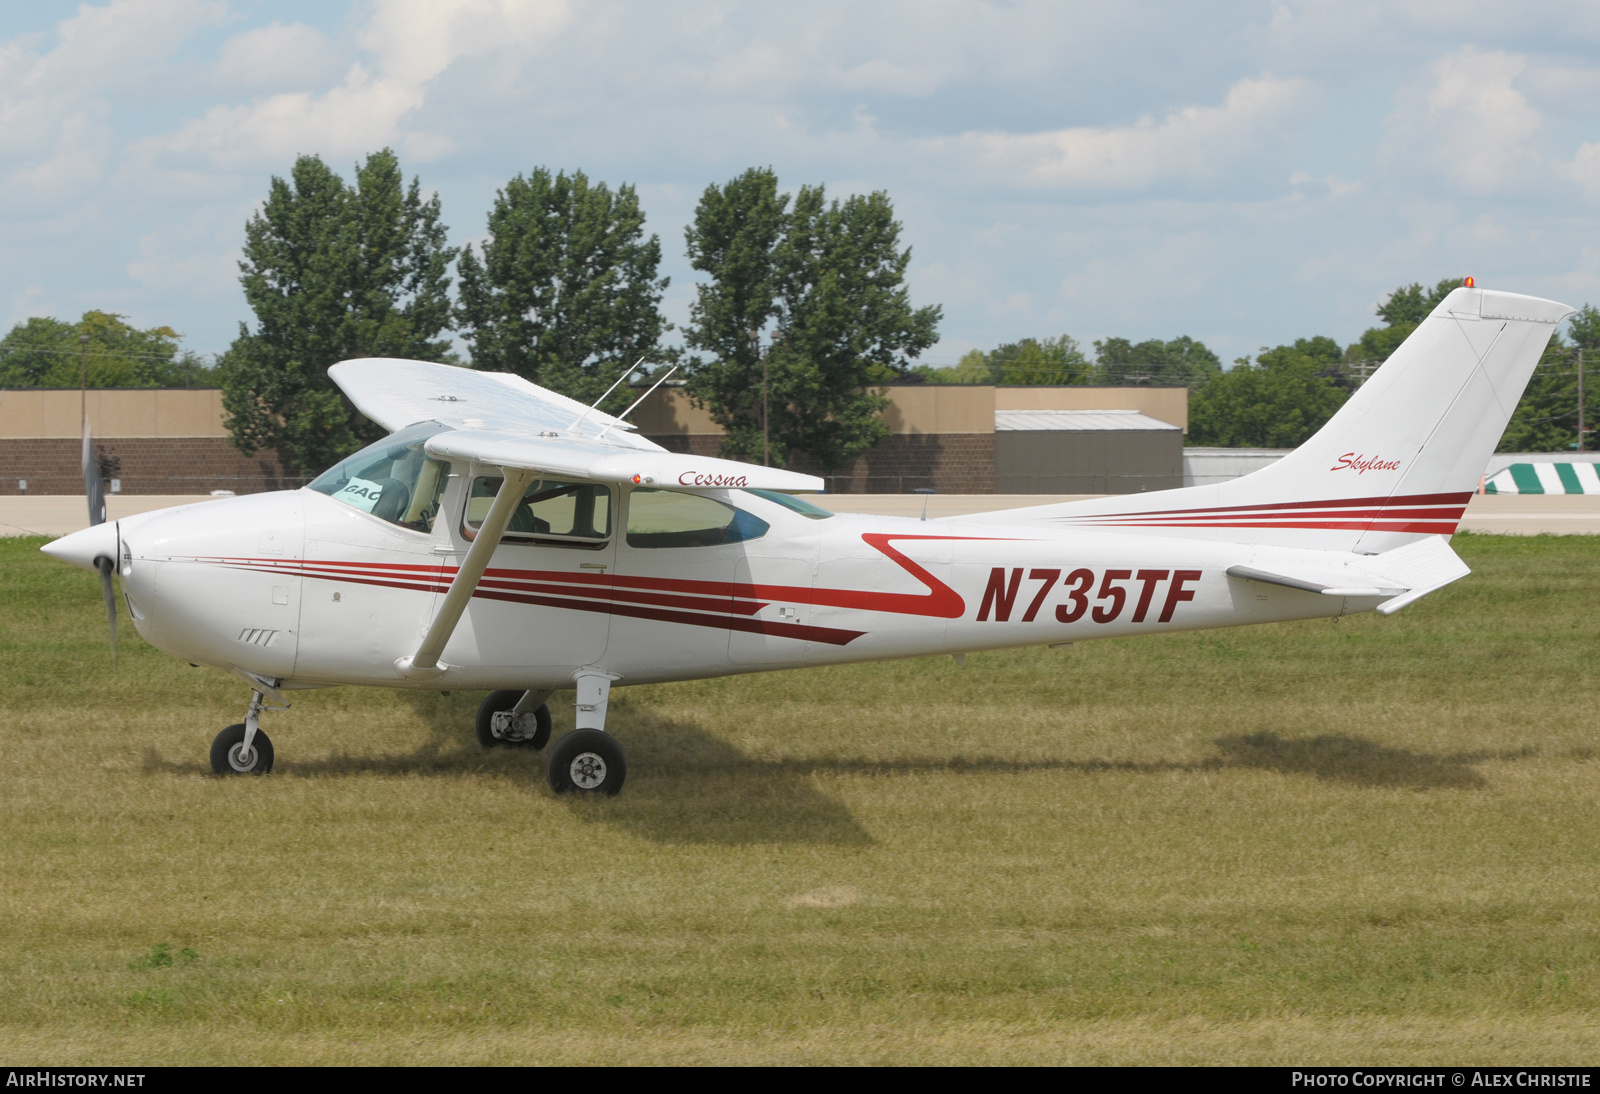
[
  {"x": 515, "y": 719},
  {"x": 586, "y": 761}
]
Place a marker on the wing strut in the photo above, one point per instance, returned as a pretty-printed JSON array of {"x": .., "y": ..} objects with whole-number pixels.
[{"x": 424, "y": 663}]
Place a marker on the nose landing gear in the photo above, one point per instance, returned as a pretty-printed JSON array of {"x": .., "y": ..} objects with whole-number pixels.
[
  {"x": 230, "y": 756},
  {"x": 242, "y": 749}
]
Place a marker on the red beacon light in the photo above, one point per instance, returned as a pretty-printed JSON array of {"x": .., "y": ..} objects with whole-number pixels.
[
  {"x": 637, "y": 479},
  {"x": 1468, "y": 283}
]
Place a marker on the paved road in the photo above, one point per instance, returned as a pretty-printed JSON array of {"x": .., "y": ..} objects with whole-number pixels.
[
  {"x": 58, "y": 514},
  {"x": 1516, "y": 514}
]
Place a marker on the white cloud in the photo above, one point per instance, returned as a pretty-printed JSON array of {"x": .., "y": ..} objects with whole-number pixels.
[
  {"x": 277, "y": 57},
  {"x": 1469, "y": 124},
  {"x": 55, "y": 139},
  {"x": 412, "y": 43},
  {"x": 1585, "y": 168},
  {"x": 1195, "y": 142}
]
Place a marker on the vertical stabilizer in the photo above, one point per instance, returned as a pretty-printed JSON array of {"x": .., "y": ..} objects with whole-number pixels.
[{"x": 1397, "y": 462}]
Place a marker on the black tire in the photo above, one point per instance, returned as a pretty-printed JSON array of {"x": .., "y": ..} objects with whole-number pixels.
[
  {"x": 498, "y": 701},
  {"x": 586, "y": 761},
  {"x": 225, "y": 758}
]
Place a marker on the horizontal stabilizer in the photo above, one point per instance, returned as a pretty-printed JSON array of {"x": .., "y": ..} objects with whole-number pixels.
[
  {"x": 1425, "y": 566},
  {"x": 580, "y": 458},
  {"x": 1328, "y": 583}
]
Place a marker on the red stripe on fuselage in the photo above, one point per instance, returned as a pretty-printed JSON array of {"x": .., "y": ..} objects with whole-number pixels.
[
  {"x": 1432, "y": 514},
  {"x": 729, "y": 605}
]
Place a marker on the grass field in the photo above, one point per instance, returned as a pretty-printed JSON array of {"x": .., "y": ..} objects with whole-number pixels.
[{"x": 1363, "y": 841}]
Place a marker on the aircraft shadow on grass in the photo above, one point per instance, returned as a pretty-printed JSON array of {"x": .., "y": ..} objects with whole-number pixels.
[
  {"x": 1339, "y": 758},
  {"x": 689, "y": 786},
  {"x": 1335, "y": 758},
  {"x": 684, "y": 784}
]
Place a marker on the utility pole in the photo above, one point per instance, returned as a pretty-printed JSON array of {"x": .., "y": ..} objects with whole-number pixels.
[
  {"x": 1580, "y": 399},
  {"x": 83, "y": 390},
  {"x": 755, "y": 347}
]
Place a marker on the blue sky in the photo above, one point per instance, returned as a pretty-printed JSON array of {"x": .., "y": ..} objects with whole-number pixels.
[{"x": 1245, "y": 173}]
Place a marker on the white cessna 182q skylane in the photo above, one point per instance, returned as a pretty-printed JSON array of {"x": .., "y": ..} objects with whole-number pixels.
[{"x": 508, "y": 538}]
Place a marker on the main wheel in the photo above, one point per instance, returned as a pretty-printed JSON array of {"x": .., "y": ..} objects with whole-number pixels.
[
  {"x": 586, "y": 761},
  {"x": 501, "y": 702},
  {"x": 228, "y": 756}
]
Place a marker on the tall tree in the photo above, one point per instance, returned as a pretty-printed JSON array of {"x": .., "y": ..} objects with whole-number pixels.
[
  {"x": 1546, "y": 418},
  {"x": 734, "y": 238},
  {"x": 332, "y": 271},
  {"x": 45, "y": 352},
  {"x": 1401, "y": 313},
  {"x": 1032, "y": 361},
  {"x": 1182, "y": 361},
  {"x": 818, "y": 290},
  {"x": 1278, "y": 401},
  {"x": 566, "y": 293}
]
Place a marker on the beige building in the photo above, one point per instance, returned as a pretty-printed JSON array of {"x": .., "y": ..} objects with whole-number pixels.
[
  {"x": 943, "y": 437},
  {"x": 147, "y": 441},
  {"x": 981, "y": 439}
]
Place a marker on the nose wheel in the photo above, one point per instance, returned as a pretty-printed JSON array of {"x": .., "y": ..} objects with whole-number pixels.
[
  {"x": 242, "y": 749},
  {"x": 231, "y": 756}
]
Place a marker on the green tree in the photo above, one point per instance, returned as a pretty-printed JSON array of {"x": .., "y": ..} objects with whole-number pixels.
[
  {"x": 1032, "y": 361},
  {"x": 566, "y": 294},
  {"x": 1277, "y": 401},
  {"x": 1182, "y": 361},
  {"x": 1546, "y": 418},
  {"x": 815, "y": 295},
  {"x": 734, "y": 238},
  {"x": 45, "y": 352},
  {"x": 332, "y": 271},
  {"x": 1401, "y": 313},
  {"x": 973, "y": 368}
]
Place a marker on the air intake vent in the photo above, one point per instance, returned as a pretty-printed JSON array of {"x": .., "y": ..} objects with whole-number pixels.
[{"x": 258, "y": 636}]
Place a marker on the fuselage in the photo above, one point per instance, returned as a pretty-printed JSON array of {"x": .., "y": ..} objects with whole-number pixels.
[{"x": 306, "y": 589}]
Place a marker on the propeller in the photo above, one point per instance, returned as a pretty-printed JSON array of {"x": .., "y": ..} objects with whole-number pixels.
[{"x": 97, "y": 515}]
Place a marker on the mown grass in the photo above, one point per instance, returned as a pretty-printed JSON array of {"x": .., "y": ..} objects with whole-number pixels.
[{"x": 1359, "y": 841}]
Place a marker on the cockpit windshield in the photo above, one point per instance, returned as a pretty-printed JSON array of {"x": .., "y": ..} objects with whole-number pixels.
[{"x": 394, "y": 480}]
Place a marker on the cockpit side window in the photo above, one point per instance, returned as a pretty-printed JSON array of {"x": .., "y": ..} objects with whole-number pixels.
[
  {"x": 394, "y": 480},
  {"x": 668, "y": 518},
  {"x": 574, "y": 514}
]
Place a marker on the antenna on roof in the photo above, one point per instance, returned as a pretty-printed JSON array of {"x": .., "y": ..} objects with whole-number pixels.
[
  {"x": 625, "y": 374},
  {"x": 636, "y": 402}
]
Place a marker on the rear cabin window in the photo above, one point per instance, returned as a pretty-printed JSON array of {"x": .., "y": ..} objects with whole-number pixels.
[
  {"x": 792, "y": 503},
  {"x": 572, "y": 513},
  {"x": 667, "y": 518},
  {"x": 394, "y": 480}
]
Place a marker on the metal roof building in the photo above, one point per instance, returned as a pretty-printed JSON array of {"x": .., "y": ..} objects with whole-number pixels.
[{"x": 1085, "y": 452}]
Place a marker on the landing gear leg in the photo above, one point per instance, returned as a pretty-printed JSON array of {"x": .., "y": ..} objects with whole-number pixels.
[
  {"x": 242, "y": 749},
  {"x": 588, "y": 760}
]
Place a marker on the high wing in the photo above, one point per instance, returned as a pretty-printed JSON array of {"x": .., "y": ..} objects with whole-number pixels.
[
  {"x": 502, "y": 420},
  {"x": 396, "y": 393},
  {"x": 585, "y": 458}
]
